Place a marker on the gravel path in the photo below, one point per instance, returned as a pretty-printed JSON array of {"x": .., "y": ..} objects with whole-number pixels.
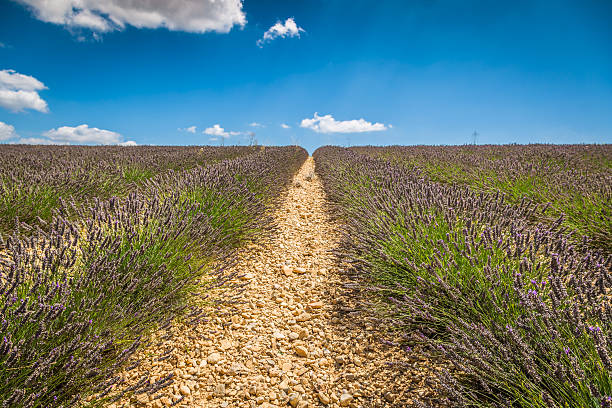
[{"x": 294, "y": 342}]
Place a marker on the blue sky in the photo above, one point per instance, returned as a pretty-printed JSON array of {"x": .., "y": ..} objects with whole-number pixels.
[{"x": 416, "y": 72}]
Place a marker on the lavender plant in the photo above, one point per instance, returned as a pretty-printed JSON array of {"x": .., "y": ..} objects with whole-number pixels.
[
  {"x": 78, "y": 298},
  {"x": 520, "y": 310}
]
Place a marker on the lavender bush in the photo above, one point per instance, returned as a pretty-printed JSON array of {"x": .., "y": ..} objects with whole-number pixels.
[
  {"x": 520, "y": 310},
  {"x": 78, "y": 298}
]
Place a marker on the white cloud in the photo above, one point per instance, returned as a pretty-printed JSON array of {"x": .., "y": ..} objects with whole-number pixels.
[
  {"x": 197, "y": 16},
  {"x": 327, "y": 124},
  {"x": 289, "y": 29},
  {"x": 190, "y": 129},
  {"x": 10, "y": 79},
  {"x": 216, "y": 130},
  {"x": 285, "y": 126},
  {"x": 6, "y": 131},
  {"x": 83, "y": 134},
  {"x": 256, "y": 124},
  {"x": 19, "y": 92}
]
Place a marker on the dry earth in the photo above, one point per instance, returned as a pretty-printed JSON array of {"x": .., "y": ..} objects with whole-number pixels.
[{"x": 295, "y": 341}]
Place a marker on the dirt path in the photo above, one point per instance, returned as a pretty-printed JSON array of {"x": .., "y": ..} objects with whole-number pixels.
[{"x": 294, "y": 341}]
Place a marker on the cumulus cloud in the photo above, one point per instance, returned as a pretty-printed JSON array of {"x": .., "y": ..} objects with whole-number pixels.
[
  {"x": 83, "y": 134},
  {"x": 216, "y": 130},
  {"x": 19, "y": 92},
  {"x": 327, "y": 124},
  {"x": 255, "y": 124},
  {"x": 7, "y": 131},
  {"x": 285, "y": 126},
  {"x": 288, "y": 29},
  {"x": 197, "y": 16},
  {"x": 190, "y": 129}
]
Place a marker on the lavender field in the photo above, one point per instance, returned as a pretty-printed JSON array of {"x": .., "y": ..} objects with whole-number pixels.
[{"x": 490, "y": 264}]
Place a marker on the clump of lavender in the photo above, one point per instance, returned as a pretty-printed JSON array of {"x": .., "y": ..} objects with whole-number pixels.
[
  {"x": 77, "y": 299},
  {"x": 522, "y": 312}
]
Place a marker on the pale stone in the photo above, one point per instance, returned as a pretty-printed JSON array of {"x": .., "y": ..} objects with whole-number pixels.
[
  {"x": 304, "y": 317},
  {"x": 345, "y": 399},
  {"x": 185, "y": 390},
  {"x": 220, "y": 390},
  {"x": 214, "y": 358}
]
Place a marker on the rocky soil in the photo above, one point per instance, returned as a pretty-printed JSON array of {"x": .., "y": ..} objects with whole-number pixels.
[{"x": 297, "y": 339}]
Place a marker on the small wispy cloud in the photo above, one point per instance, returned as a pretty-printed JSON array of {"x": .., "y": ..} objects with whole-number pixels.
[
  {"x": 190, "y": 129},
  {"x": 256, "y": 125},
  {"x": 285, "y": 126},
  {"x": 327, "y": 124},
  {"x": 280, "y": 30}
]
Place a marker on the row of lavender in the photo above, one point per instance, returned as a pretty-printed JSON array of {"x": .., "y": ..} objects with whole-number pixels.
[
  {"x": 35, "y": 179},
  {"x": 575, "y": 179},
  {"x": 77, "y": 299},
  {"x": 521, "y": 312}
]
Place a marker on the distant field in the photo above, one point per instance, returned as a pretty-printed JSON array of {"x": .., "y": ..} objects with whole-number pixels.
[{"x": 497, "y": 258}]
